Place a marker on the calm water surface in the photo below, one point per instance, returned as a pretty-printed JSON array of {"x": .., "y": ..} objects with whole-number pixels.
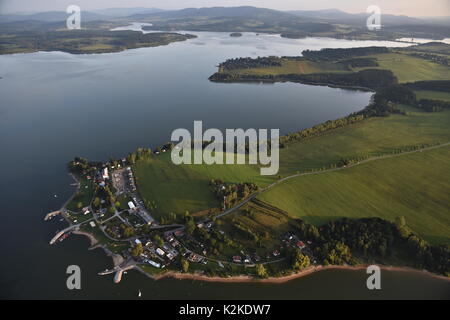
[{"x": 54, "y": 106}]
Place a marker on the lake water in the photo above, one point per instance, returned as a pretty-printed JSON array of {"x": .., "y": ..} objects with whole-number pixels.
[{"x": 55, "y": 106}]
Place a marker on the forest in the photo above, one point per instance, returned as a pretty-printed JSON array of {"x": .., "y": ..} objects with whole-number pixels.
[
  {"x": 347, "y": 241},
  {"x": 370, "y": 78},
  {"x": 247, "y": 63},
  {"x": 337, "y": 54}
]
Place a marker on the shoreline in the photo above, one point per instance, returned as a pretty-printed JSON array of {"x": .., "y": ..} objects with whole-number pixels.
[
  {"x": 117, "y": 259},
  {"x": 287, "y": 278},
  {"x": 92, "y": 239}
]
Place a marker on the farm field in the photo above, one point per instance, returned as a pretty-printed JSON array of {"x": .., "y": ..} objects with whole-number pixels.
[
  {"x": 432, "y": 95},
  {"x": 184, "y": 188},
  {"x": 414, "y": 186},
  {"x": 409, "y": 69}
]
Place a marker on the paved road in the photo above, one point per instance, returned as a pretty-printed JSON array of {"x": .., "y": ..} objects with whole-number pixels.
[{"x": 253, "y": 196}]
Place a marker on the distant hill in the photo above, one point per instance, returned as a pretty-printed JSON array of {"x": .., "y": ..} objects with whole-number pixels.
[
  {"x": 125, "y": 12},
  {"x": 338, "y": 16},
  {"x": 293, "y": 24},
  {"x": 217, "y": 12}
]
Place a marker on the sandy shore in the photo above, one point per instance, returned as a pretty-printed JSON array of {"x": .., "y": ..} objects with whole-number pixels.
[
  {"x": 118, "y": 259},
  {"x": 91, "y": 238},
  {"x": 307, "y": 271}
]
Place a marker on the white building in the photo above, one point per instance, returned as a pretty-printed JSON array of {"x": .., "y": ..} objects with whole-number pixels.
[
  {"x": 105, "y": 173},
  {"x": 131, "y": 205}
]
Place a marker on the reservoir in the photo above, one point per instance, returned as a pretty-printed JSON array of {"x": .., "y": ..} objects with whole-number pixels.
[{"x": 55, "y": 106}]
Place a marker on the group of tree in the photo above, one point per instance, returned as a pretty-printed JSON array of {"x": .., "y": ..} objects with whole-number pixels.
[
  {"x": 431, "y": 85},
  {"x": 249, "y": 63},
  {"x": 345, "y": 53},
  {"x": 318, "y": 129},
  {"x": 299, "y": 260},
  {"x": 359, "y": 63},
  {"x": 368, "y": 78},
  {"x": 349, "y": 241},
  {"x": 231, "y": 193},
  {"x": 137, "y": 250},
  {"x": 404, "y": 94}
]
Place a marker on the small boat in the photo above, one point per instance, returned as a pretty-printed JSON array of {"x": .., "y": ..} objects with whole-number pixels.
[
  {"x": 55, "y": 196},
  {"x": 139, "y": 294}
]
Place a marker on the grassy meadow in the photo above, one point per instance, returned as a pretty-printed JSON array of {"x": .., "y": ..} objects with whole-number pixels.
[
  {"x": 301, "y": 66},
  {"x": 405, "y": 67},
  {"x": 409, "y": 69},
  {"x": 433, "y": 95},
  {"x": 415, "y": 186},
  {"x": 186, "y": 187}
]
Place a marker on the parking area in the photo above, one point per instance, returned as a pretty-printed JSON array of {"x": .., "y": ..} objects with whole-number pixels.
[{"x": 123, "y": 180}]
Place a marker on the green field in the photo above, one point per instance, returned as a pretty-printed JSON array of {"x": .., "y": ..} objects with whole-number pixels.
[
  {"x": 415, "y": 186},
  {"x": 83, "y": 196},
  {"x": 410, "y": 69},
  {"x": 293, "y": 66},
  {"x": 405, "y": 67},
  {"x": 186, "y": 187},
  {"x": 368, "y": 138},
  {"x": 433, "y": 95}
]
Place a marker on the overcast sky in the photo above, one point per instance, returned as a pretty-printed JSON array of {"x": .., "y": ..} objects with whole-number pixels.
[{"x": 405, "y": 7}]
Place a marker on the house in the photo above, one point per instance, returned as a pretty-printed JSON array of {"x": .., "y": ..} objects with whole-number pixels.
[
  {"x": 160, "y": 252},
  {"x": 92, "y": 224},
  {"x": 276, "y": 253},
  {"x": 300, "y": 245},
  {"x": 137, "y": 241},
  {"x": 144, "y": 216},
  {"x": 85, "y": 210},
  {"x": 153, "y": 263},
  {"x": 105, "y": 174},
  {"x": 131, "y": 205},
  {"x": 237, "y": 259}
]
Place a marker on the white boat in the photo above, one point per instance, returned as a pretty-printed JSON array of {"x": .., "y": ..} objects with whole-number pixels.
[{"x": 139, "y": 294}]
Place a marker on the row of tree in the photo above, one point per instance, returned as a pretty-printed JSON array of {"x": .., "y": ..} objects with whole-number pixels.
[
  {"x": 230, "y": 193},
  {"x": 346, "y": 240},
  {"x": 248, "y": 63},
  {"x": 369, "y": 78},
  {"x": 338, "y": 54}
]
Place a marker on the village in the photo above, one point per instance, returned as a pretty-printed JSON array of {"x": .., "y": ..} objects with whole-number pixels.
[{"x": 129, "y": 225}]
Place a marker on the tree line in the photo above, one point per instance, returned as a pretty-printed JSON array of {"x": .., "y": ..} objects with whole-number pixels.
[
  {"x": 328, "y": 54},
  {"x": 369, "y": 78},
  {"x": 346, "y": 240},
  {"x": 248, "y": 63}
]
